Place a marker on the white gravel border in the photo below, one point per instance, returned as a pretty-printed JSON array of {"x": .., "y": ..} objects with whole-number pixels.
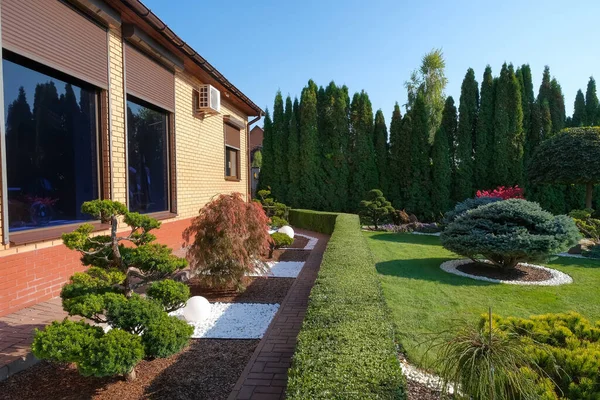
[
  {"x": 558, "y": 278},
  {"x": 573, "y": 256},
  {"x": 282, "y": 269},
  {"x": 427, "y": 234},
  {"x": 415, "y": 374},
  {"x": 312, "y": 242},
  {"x": 234, "y": 321}
]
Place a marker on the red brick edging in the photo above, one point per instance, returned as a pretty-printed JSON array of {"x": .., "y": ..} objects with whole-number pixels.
[{"x": 265, "y": 376}]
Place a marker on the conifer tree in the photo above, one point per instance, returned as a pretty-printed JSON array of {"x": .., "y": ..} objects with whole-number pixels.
[
  {"x": 557, "y": 106},
  {"x": 579, "y": 110},
  {"x": 265, "y": 179},
  {"x": 396, "y": 174},
  {"x": 293, "y": 159},
  {"x": 441, "y": 170},
  {"x": 484, "y": 133},
  {"x": 419, "y": 199},
  {"x": 467, "y": 122},
  {"x": 405, "y": 159},
  {"x": 527, "y": 95},
  {"x": 285, "y": 139},
  {"x": 508, "y": 130},
  {"x": 363, "y": 169},
  {"x": 310, "y": 166},
  {"x": 380, "y": 141},
  {"x": 591, "y": 103},
  {"x": 334, "y": 144},
  {"x": 450, "y": 125},
  {"x": 278, "y": 137}
]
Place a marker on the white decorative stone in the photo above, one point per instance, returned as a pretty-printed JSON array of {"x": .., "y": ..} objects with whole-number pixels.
[
  {"x": 197, "y": 309},
  {"x": 287, "y": 230}
]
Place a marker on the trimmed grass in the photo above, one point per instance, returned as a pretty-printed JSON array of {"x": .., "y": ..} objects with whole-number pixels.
[{"x": 425, "y": 300}]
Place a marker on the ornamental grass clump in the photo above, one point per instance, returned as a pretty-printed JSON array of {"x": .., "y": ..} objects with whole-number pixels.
[
  {"x": 140, "y": 327},
  {"x": 226, "y": 239},
  {"x": 509, "y": 232}
]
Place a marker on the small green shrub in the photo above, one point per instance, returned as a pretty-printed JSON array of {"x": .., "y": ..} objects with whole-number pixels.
[
  {"x": 322, "y": 222},
  {"x": 281, "y": 240},
  {"x": 465, "y": 206},
  {"x": 64, "y": 341},
  {"x": 277, "y": 222},
  {"x": 594, "y": 252},
  {"x": 115, "y": 352},
  {"x": 165, "y": 336},
  {"x": 400, "y": 217},
  {"x": 588, "y": 226},
  {"x": 346, "y": 346},
  {"x": 375, "y": 208},
  {"x": 509, "y": 232},
  {"x": 170, "y": 294}
]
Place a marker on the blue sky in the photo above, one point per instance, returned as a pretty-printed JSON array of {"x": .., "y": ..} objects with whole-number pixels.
[{"x": 266, "y": 45}]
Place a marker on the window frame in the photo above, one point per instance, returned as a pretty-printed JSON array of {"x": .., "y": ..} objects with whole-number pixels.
[
  {"x": 237, "y": 177},
  {"x": 40, "y": 234},
  {"x": 169, "y": 143}
]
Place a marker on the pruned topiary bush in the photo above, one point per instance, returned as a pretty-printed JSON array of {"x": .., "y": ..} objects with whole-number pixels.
[
  {"x": 276, "y": 211},
  {"x": 279, "y": 240},
  {"x": 509, "y": 232},
  {"x": 226, "y": 239},
  {"x": 105, "y": 294},
  {"x": 375, "y": 209}
]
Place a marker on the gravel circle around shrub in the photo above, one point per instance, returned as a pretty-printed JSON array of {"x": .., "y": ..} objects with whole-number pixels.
[
  {"x": 234, "y": 321},
  {"x": 558, "y": 278},
  {"x": 427, "y": 233}
]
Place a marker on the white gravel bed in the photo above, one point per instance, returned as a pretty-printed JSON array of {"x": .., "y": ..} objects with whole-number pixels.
[
  {"x": 282, "y": 269},
  {"x": 414, "y": 374},
  {"x": 312, "y": 242},
  {"x": 427, "y": 234},
  {"x": 234, "y": 321},
  {"x": 558, "y": 278}
]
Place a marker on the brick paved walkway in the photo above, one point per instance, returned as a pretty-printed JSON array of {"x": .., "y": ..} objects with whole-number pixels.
[
  {"x": 265, "y": 376},
  {"x": 16, "y": 334}
]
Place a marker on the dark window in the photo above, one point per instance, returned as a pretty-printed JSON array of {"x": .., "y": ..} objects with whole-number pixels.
[
  {"x": 51, "y": 145},
  {"x": 147, "y": 142},
  {"x": 231, "y": 163}
]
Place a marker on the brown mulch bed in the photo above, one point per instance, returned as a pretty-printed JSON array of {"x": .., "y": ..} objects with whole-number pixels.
[
  {"x": 207, "y": 369},
  {"x": 299, "y": 243},
  {"x": 419, "y": 391},
  {"x": 520, "y": 273},
  {"x": 258, "y": 290},
  {"x": 289, "y": 255}
]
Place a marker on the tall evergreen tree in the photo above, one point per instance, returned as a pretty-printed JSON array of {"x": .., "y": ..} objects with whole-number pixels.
[
  {"x": 380, "y": 142},
  {"x": 363, "y": 169},
  {"x": 557, "y": 106},
  {"x": 527, "y": 95},
  {"x": 405, "y": 159},
  {"x": 508, "y": 129},
  {"x": 293, "y": 196},
  {"x": 579, "y": 110},
  {"x": 441, "y": 168},
  {"x": 484, "y": 133},
  {"x": 396, "y": 174},
  {"x": 278, "y": 188},
  {"x": 450, "y": 125},
  {"x": 334, "y": 144},
  {"x": 310, "y": 176},
  {"x": 285, "y": 139},
  {"x": 591, "y": 103},
  {"x": 467, "y": 123},
  {"x": 265, "y": 179},
  {"x": 419, "y": 198}
]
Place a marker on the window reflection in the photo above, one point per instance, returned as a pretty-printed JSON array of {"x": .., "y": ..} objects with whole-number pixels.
[
  {"x": 147, "y": 157},
  {"x": 51, "y": 149}
]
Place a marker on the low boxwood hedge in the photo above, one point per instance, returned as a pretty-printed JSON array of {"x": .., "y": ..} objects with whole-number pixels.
[
  {"x": 323, "y": 222},
  {"x": 346, "y": 347}
]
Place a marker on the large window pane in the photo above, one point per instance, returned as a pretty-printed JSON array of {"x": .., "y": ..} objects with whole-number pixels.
[
  {"x": 51, "y": 147},
  {"x": 148, "y": 162}
]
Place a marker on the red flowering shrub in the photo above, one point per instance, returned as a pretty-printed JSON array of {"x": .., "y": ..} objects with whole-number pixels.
[
  {"x": 505, "y": 193},
  {"x": 226, "y": 240}
]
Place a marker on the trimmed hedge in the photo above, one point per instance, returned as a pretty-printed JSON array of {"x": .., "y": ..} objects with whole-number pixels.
[
  {"x": 346, "y": 347},
  {"x": 322, "y": 222}
]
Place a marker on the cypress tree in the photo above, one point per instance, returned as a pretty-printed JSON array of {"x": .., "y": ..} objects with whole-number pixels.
[
  {"x": 293, "y": 159},
  {"x": 450, "y": 124},
  {"x": 363, "y": 170},
  {"x": 557, "y": 106},
  {"x": 265, "y": 179},
  {"x": 591, "y": 103},
  {"x": 484, "y": 133},
  {"x": 285, "y": 139},
  {"x": 278, "y": 188},
  {"x": 405, "y": 159},
  {"x": 527, "y": 95},
  {"x": 334, "y": 143},
  {"x": 419, "y": 199},
  {"x": 467, "y": 122},
  {"x": 396, "y": 174},
  {"x": 441, "y": 169},
  {"x": 380, "y": 142},
  {"x": 310, "y": 176},
  {"x": 579, "y": 110}
]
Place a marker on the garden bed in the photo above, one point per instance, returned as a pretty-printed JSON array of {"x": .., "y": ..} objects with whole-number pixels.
[
  {"x": 258, "y": 290},
  {"x": 522, "y": 273},
  {"x": 299, "y": 242},
  {"x": 289, "y": 255},
  {"x": 207, "y": 369}
]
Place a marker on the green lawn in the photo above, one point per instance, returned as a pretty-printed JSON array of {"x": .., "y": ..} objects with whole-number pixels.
[{"x": 424, "y": 299}]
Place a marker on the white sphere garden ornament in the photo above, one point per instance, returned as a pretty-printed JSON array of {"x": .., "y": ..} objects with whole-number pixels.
[
  {"x": 287, "y": 230},
  {"x": 196, "y": 309}
]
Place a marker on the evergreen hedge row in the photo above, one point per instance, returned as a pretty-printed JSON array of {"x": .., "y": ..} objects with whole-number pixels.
[
  {"x": 316, "y": 221},
  {"x": 346, "y": 347}
]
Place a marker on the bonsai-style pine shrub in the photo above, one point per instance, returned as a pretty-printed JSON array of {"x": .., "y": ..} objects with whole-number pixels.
[
  {"x": 588, "y": 226},
  {"x": 277, "y": 222},
  {"x": 279, "y": 240},
  {"x": 277, "y": 212},
  {"x": 570, "y": 157},
  {"x": 105, "y": 294},
  {"x": 509, "y": 232},
  {"x": 375, "y": 209},
  {"x": 504, "y": 193},
  {"x": 226, "y": 239},
  {"x": 465, "y": 206}
]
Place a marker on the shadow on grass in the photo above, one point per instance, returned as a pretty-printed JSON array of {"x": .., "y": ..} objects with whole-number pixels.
[
  {"x": 406, "y": 238},
  {"x": 577, "y": 262},
  {"x": 426, "y": 269}
]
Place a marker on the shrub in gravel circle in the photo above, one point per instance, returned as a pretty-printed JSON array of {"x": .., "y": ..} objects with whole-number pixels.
[{"x": 509, "y": 232}]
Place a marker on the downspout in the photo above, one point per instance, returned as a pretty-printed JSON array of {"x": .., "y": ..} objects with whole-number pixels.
[
  {"x": 255, "y": 120},
  {"x": 4, "y": 181}
]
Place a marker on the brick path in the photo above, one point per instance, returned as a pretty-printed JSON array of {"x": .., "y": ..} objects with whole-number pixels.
[
  {"x": 265, "y": 376},
  {"x": 16, "y": 334}
]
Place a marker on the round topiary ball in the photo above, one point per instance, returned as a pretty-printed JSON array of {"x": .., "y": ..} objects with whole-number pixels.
[{"x": 509, "y": 232}]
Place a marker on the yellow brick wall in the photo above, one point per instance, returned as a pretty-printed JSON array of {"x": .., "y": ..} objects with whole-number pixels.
[{"x": 200, "y": 151}]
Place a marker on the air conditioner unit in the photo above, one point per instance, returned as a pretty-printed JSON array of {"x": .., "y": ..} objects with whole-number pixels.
[{"x": 209, "y": 100}]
